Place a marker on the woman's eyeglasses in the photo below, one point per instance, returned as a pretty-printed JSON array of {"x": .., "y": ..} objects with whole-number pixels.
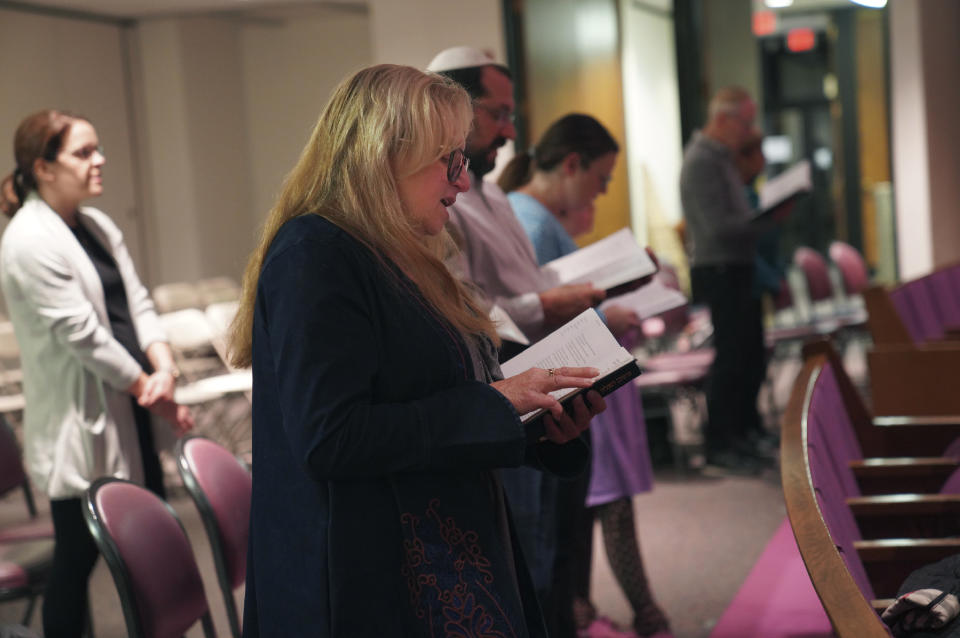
[
  {"x": 87, "y": 152},
  {"x": 456, "y": 163}
]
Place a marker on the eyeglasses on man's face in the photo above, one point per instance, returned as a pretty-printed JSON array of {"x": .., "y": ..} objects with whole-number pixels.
[
  {"x": 456, "y": 162},
  {"x": 503, "y": 115}
]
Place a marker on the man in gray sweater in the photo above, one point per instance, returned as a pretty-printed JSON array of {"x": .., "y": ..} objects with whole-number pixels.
[{"x": 722, "y": 235}]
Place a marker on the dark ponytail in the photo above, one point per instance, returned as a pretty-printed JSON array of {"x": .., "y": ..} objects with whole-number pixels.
[
  {"x": 517, "y": 172},
  {"x": 39, "y": 136},
  {"x": 10, "y": 199},
  {"x": 573, "y": 133}
]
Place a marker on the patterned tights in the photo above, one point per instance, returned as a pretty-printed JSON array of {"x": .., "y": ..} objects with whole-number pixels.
[{"x": 623, "y": 553}]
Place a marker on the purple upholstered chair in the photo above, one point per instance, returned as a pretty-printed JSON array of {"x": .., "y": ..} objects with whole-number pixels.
[
  {"x": 903, "y": 302},
  {"x": 26, "y": 547},
  {"x": 150, "y": 558},
  {"x": 946, "y": 297},
  {"x": 220, "y": 486},
  {"x": 925, "y": 310},
  {"x": 13, "y": 476}
]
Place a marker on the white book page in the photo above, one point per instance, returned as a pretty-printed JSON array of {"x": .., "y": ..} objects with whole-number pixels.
[
  {"x": 609, "y": 262},
  {"x": 506, "y": 328},
  {"x": 648, "y": 301},
  {"x": 795, "y": 179},
  {"x": 583, "y": 341}
]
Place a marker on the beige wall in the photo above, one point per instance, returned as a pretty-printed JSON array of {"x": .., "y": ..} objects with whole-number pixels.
[
  {"x": 925, "y": 60},
  {"x": 228, "y": 104},
  {"x": 941, "y": 68},
  {"x": 201, "y": 116},
  {"x": 413, "y": 31},
  {"x": 52, "y": 62},
  {"x": 291, "y": 64},
  {"x": 654, "y": 149},
  {"x": 729, "y": 47},
  {"x": 572, "y": 53}
]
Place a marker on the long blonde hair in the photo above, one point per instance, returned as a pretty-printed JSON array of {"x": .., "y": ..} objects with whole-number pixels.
[{"x": 381, "y": 124}]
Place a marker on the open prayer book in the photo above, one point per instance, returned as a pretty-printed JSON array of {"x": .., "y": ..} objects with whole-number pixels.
[
  {"x": 583, "y": 341},
  {"x": 612, "y": 264},
  {"x": 790, "y": 183},
  {"x": 648, "y": 301}
]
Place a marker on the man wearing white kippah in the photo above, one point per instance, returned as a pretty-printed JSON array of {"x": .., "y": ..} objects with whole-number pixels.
[{"x": 498, "y": 257}]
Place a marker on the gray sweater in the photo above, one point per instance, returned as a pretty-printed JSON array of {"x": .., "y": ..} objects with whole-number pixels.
[{"x": 715, "y": 207}]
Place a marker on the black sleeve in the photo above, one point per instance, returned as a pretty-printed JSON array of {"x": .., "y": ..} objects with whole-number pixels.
[{"x": 319, "y": 324}]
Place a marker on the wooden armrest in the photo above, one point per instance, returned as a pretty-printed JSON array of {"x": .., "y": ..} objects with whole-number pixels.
[
  {"x": 903, "y": 465},
  {"x": 945, "y": 420},
  {"x": 889, "y": 561},
  {"x": 916, "y": 434},
  {"x": 881, "y": 604},
  {"x": 951, "y": 335},
  {"x": 907, "y": 515},
  {"x": 907, "y": 379},
  {"x": 906, "y": 504},
  {"x": 902, "y": 475}
]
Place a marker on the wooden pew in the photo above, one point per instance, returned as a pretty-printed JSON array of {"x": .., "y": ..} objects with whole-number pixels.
[
  {"x": 916, "y": 333},
  {"x": 778, "y": 600},
  {"x": 847, "y": 572},
  {"x": 913, "y": 442}
]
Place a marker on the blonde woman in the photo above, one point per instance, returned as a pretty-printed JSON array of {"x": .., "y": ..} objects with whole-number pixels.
[{"x": 378, "y": 414}]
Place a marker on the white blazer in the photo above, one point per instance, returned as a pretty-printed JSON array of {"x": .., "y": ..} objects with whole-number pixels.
[{"x": 78, "y": 421}]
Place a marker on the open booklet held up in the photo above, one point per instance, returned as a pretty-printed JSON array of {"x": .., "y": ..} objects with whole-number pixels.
[
  {"x": 613, "y": 264},
  {"x": 788, "y": 185},
  {"x": 648, "y": 301},
  {"x": 583, "y": 341}
]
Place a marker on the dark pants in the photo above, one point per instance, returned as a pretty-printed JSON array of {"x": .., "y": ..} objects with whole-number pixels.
[
  {"x": 571, "y": 567},
  {"x": 740, "y": 365},
  {"x": 75, "y": 553},
  {"x": 152, "y": 469}
]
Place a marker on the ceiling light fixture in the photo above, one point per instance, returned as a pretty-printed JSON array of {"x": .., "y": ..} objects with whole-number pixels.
[
  {"x": 873, "y": 4},
  {"x": 777, "y": 4}
]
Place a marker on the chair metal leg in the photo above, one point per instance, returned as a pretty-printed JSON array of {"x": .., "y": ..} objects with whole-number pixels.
[
  {"x": 88, "y": 622},
  {"x": 207, "y": 624},
  {"x": 28, "y": 613}
]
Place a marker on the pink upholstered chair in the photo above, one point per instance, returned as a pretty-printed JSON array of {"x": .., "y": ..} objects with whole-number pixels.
[
  {"x": 150, "y": 558},
  {"x": 220, "y": 486},
  {"x": 816, "y": 272},
  {"x": 852, "y": 267},
  {"x": 13, "y": 476}
]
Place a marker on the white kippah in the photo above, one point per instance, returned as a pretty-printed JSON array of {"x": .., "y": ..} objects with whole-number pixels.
[{"x": 459, "y": 58}]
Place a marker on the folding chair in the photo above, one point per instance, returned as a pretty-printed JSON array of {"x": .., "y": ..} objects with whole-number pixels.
[
  {"x": 26, "y": 548},
  {"x": 176, "y": 296},
  {"x": 150, "y": 558},
  {"x": 220, "y": 486},
  {"x": 217, "y": 290}
]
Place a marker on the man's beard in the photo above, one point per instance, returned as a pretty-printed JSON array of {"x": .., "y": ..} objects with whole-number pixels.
[{"x": 480, "y": 165}]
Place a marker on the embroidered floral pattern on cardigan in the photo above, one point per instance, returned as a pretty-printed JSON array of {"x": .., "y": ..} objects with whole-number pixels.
[{"x": 450, "y": 579}]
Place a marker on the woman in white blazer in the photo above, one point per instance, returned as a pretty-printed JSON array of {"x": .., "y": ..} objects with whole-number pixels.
[{"x": 94, "y": 357}]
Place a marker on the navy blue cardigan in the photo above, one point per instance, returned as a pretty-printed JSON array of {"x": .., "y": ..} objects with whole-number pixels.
[{"x": 375, "y": 508}]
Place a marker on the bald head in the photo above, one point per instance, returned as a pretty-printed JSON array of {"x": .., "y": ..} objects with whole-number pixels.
[{"x": 730, "y": 116}]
